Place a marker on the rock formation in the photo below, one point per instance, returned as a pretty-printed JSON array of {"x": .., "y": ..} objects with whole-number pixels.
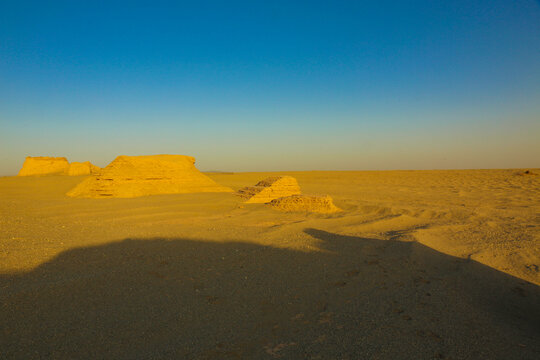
[
  {"x": 43, "y": 165},
  {"x": 133, "y": 176},
  {"x": 269, "y": 189},
  {"x": 317, "y": 204},
  {"x": 86, "y": 168}
]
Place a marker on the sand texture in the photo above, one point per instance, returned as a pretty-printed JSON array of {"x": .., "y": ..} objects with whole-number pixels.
[
  {"x": 417, "y": 265},
  {"x": 134, "y": 176},
  {"x": 269, "y": 189},
  {"x": 308, "y": 203},
  {"x": 43, "y": 165}
]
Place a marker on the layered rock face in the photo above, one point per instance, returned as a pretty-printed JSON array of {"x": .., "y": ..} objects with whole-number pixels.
[
  {"x": 133, "y": 176},
  {"x": 43, "y": 165},
  {"x": 308, "y": 203},
  {"x": 86, "y": 168},
  {"x": 283, "y": 193},
  {"x": 270, "y": 189}
]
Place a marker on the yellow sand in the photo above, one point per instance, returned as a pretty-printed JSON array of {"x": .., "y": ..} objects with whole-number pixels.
[{"x": 419, "y": 264}]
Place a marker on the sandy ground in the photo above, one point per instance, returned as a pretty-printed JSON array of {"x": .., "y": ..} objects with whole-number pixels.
[{"x": 419, "y": 265}]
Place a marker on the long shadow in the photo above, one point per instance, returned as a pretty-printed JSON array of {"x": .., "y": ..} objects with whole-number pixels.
[{"x": 357, "y": 298}]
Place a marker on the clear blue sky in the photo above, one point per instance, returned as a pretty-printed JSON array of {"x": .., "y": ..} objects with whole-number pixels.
[{"x": 273, "y": 85}]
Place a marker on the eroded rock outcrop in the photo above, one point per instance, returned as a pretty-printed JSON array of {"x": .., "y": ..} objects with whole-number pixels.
[
  {"x": 133, "y": 176},
  {"x": 43, "y": 165},
  {"x": 307, "y": 203},
  {"x": 82, "y": 168},
  {"x": 269, "y": 189}
]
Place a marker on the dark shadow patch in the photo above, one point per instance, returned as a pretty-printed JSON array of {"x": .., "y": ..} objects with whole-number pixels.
[{"x": 194, "y": 299}]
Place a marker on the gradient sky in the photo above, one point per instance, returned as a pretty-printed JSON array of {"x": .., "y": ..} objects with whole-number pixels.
[{"x": 273, "y": 85}]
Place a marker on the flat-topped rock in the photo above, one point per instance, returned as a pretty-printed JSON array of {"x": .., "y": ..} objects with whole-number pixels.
[
  {"x": 82, "y": 168},
  {"x": 133, "y": 176},
  {"x": 43, "y": 165},
  {"x": 269, "y": 189},
  {"x": 306, "y": 203}
]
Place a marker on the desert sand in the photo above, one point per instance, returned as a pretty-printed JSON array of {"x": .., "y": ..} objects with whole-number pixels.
[{"x": 417, "y": 265}]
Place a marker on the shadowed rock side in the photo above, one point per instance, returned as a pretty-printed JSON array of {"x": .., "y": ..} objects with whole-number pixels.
[
  {"x": 133, "y": 176},
  {"x": 269, "y": 189},
  {"x": 357, "y": 298},
  {"x": 43, "y": 165},
  {"x": 86, "y": 168},
  {"x": 309, "y": 203}
]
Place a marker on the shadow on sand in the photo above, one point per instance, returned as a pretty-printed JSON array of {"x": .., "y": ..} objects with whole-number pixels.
[{"x": 357, "y": 298}]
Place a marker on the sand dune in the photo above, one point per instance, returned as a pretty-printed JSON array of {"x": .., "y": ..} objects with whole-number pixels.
[{"x": 419, "y": 264}]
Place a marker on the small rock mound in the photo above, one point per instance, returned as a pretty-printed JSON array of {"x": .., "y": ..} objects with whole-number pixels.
[
  {"x": 308, "y": 203},
  {"x": 77, "y": 168},
  {"x": 526, "y": 172},
  {"x": 269, "y": 189},
  {"x": 43, "y": 165}
]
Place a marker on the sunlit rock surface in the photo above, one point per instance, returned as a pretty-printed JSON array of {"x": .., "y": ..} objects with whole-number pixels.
[
  {"x": 269, "y": 189},
  {"x": 78, "y": 168},
  {"x": 133, "y": 176},
  {"x": 43, "y": 165},
  {"x": 306, "y": 203}
]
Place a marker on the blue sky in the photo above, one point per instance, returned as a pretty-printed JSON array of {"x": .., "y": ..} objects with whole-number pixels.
[{"x": 273, "y": 85}]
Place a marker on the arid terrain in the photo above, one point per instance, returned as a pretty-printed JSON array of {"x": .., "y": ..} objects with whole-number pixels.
[{"x": 418, "y": 265}]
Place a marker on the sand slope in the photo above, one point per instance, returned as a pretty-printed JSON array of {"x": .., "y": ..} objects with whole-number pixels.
[{"x": 419, "y": 264}]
